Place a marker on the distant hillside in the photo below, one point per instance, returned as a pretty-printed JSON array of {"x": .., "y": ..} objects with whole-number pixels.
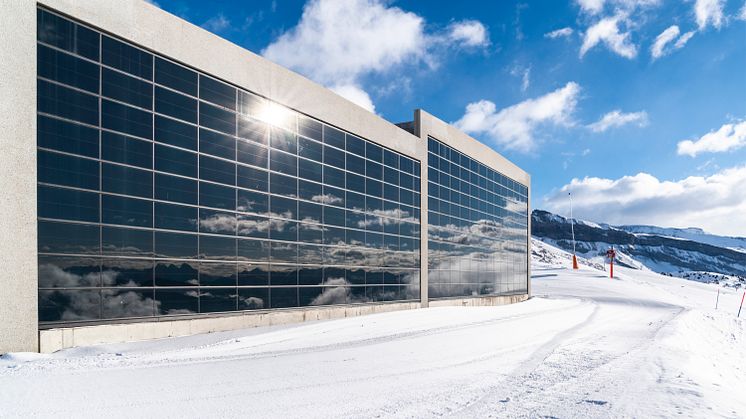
[
  {"x": 693, "y": 234},
  {"x": 688, "y": 253}
]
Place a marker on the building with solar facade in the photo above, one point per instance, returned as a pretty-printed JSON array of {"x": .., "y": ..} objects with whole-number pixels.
[{"x": 161, "y": 181}]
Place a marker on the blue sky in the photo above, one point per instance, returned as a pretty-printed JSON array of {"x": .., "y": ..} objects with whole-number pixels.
[{"x": 636, "y": 106}]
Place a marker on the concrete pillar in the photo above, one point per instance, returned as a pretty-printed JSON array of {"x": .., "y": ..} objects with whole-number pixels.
[
  {"x": 422, "y": 153},
  {"x": 18, "y": 248},
  {"x": 528, "y": 249}
]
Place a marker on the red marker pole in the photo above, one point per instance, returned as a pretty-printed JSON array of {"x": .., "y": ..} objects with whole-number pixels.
[
  {"x": 739, "y": 308},
  {"x": 611, "y": 254}
]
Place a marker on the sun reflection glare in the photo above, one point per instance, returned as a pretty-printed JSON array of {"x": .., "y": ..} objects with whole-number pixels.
[{"x": 275, "y": 114}]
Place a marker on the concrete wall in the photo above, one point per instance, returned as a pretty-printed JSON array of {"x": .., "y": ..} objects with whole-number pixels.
[
  {"x": 494, "y": 300},
  {"x": 160, "y": 31},
  {"x": 18, "y": 267},
  {"x": 55, "y": 339}
]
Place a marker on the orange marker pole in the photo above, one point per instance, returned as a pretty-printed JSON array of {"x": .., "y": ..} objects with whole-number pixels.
[{"x": 739, "y": 308}]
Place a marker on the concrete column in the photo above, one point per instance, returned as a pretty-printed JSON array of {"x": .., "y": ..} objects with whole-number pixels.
[
  {"x": 422, "y": 153},
  {"x": 18, "y": 241},
  {"x": 528, "y": 249}
]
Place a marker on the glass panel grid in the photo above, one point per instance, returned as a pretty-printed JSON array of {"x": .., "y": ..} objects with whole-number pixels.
[
  {"x": 156, "y": 194},
  {"x": 477, "y": 227}
]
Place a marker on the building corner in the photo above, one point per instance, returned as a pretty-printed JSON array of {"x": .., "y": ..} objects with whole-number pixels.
[{"x": 18, "y": 266}]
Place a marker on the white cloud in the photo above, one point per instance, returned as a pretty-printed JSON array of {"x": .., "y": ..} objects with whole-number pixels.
[
  {"x": 659, "y": 47},
  {"x": 683, "y": 39},
  {"x": 594, "y": 7},
  {"x": 742, "y": 13},
  {"x": 524, "y": 74},
  {"x": 343, "y": 40},
  {"x": 558, "y": 33},
  {"x": 217, "y": 23},
  {"x": 338, "y": 43},
  {"x": 617, "y": 118},
  {"x": 591, "y": 6},
  {"x": 606, "y": 31},
  {"x": 612, "y": 24},
  {"x": 632, "y": 4},
  {"x": 728, "y": 137},
  {"x": 470, "y": 33},
  {"x": 664, "y": 38},
  {"x": 709, "y": 12},
  {"x": 716, "y": 203},
  {"x": 356, "y": 95},
  {"x": 526, "y": 79},
  {"x": 707, "y": 165},
  {"x": 514, "y": 127}
]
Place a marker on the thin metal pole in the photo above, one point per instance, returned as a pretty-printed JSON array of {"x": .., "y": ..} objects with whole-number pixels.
[
  {"x": 572, "y": 224},
  {"x": 717, "y": 299},
  {"x": 741, "y": 306}
]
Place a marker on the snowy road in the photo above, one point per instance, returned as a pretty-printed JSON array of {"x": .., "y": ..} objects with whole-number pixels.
[{"x": 587, "y": 346}]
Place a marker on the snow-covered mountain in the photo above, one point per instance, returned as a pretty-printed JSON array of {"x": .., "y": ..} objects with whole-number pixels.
[
  {"x": 687, "y": 253},
  {"x": 691, "y": 233}
]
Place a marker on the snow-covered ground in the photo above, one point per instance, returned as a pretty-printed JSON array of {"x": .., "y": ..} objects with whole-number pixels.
[{"x": 642, "y": 345}]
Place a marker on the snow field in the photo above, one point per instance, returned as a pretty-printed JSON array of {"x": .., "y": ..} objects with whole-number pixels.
[{"x": 642, "y": 345}]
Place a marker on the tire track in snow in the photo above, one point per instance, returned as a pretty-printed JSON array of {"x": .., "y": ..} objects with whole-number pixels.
[
  {"x": 577, "y": 362},
  {"x": 537, "y": 357},
  {"x": 505, "y": 379}
]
